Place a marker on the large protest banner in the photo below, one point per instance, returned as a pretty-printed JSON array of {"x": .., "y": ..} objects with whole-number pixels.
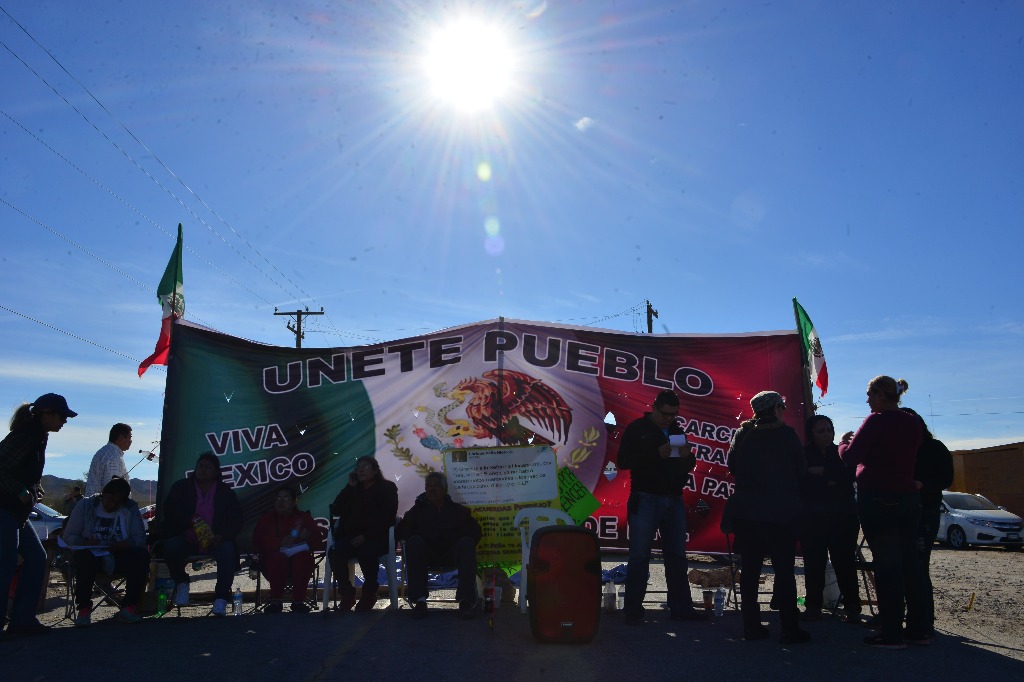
[{"x": 273, "y": 414}]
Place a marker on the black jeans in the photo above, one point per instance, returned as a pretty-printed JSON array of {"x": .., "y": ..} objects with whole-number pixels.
[
  {"x": 133, "y": 563},
  {"x": 367, "y": 555},
  {"x": 824, "y": 535},
  {"x": 927, "y": 531},
  {"x": 890, "y": 523},
  {"x": 419, "y": 556},
  {"x": 756, "y": 540}
]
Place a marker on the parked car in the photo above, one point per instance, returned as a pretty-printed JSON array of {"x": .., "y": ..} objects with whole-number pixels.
[
  {"x": 45, "y": 520},
  {"x": 969, "y": 519}
]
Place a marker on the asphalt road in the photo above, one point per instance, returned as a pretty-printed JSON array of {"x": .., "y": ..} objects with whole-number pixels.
[{"x": 389, "y": 645}]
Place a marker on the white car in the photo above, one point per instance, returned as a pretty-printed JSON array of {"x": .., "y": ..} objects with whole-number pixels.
[
  {"x": 45, "y": 520},
  {"x": 968, "y": 519}
]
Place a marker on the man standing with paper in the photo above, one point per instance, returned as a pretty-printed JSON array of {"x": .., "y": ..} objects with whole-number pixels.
[{"x": 655, "y": 451}]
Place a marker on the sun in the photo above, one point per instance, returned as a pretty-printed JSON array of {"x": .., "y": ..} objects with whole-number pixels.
[{"x": 469, "y": 65}]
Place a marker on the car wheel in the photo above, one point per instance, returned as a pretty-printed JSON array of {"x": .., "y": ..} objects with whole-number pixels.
[{"x": 957, "y": 538}]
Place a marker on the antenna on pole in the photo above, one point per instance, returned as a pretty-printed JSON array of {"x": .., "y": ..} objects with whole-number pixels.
[
  {"x": 651, "y": 314},
  {"x": 297, "y": 315}
]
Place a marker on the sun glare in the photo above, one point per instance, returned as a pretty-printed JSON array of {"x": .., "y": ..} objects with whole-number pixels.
[{"x": 469, "y": 65}]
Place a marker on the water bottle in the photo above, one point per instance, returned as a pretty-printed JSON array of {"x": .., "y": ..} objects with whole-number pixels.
[
  {"x": 609, "y": 597},
  {"x": 296, "y": 530},
  {"x": 236, "y": 602},
  {"x": 719, "y": 601}
]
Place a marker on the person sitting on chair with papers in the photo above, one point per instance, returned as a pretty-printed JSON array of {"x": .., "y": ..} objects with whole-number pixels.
[
  {"x": 285, "y": 537},
  {"x": 107, "y": 534}
]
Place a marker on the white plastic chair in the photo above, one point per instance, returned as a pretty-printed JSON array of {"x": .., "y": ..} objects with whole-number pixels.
[
  {"x": 528, "y": 521},
  {"x": 389, "y": 564}
]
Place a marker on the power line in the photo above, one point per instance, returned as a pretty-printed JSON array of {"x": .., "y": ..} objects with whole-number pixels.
[
  {"x": 304, "y": 295},
  {"x": 74, "y": 336}
]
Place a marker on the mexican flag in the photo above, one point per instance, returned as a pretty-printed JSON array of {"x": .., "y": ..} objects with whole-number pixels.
[
  {"x": 171, "y": 295},
  {"x": 815, "y": 357}
]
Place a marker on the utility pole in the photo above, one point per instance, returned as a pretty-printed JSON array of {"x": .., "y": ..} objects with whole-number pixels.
[
  {"x": 297, "y": 329},
  {"x": 651, "y": 314}
]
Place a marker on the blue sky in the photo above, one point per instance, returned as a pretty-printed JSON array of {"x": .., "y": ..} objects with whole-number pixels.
[{"x": 716, "y": 158}]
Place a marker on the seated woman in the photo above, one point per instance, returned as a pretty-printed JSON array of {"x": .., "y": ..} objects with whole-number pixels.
[
  {"x": 365, "y": 508},
  {"x": 109, "y": 524},
  {"x": 286, "y": 538}
]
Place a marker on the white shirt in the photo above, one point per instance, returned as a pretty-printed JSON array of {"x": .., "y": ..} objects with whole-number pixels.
[{"x": 106, "y": 463}]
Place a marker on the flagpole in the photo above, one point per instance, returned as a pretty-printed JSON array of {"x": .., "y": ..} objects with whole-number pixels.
[{"x": 805, "y": 367}]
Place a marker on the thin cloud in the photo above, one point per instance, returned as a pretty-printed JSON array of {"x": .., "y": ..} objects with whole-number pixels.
[
  {"x": 584, "y": 124},
  {"x": 43, "y": 370}
]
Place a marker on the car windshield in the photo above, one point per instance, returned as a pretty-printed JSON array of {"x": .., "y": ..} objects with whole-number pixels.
[
  {"x": 43, "y": 509},
  {"x": 967, "y": 502}
]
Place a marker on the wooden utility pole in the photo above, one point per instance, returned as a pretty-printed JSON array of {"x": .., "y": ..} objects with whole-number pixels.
[
  {"x": 297, "y": 315},
  {"x": 651, "y": 314}
]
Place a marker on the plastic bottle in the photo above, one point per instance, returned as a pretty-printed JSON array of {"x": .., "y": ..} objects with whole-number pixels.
[
  {"x": 719, "y": 601},
  {"x": 161, "y": 602},
  {"x": 296, "y": 530},
  {"x": 609, "y": 597},
  {"x": 236, "y": 602}
]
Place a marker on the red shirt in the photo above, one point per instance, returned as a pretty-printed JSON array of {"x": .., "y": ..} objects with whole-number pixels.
[{"x": 885, "y": 452}]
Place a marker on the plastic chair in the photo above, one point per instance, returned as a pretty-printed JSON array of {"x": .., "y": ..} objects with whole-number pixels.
[
  {"x": 528, "y": 521},
  {"x": 388, "y": 560}
]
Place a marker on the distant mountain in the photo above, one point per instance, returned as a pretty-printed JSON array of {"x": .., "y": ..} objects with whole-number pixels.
[{"x": 143, "y": 491}]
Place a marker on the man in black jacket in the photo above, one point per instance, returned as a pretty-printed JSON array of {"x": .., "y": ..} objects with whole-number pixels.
[
  {"x": 658, "y": 473},
  {"x": 439, "y": 532},
  {"x": 202, "y": 515}
]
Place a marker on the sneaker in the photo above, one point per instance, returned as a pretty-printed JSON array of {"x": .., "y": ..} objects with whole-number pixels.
[
  {"x": 274, "y": 607},
  {"x": 795, "y": 637},
  {"x": 874, "y": 622},
  {"x": 689, "y": 614},
  {"x": 220, "y": 607},
  {"x": 753, "y": 634},
  {"x": 84, "y": 618},
  {"x": 880, "y": 642},
  {"x": 419, "y": 609},
  {"x": 300, "y": 607},
  {"x": 467, "y": 610},
  {"x": 128, "y": 614},
  {"x": 810, "y": 616},
  {"x": 181, "y": 594}
]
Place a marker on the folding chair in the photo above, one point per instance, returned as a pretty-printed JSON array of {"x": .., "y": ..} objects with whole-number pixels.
[{"x": 528, "y": 521}]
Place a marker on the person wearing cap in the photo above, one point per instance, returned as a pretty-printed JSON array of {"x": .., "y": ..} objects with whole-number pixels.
[
  {"x": 767, "y": 463},
  {"x": 108, "y": 461},
  {"x": 202, "y": 516},
  {"x": 22, "y": 457},
  {"x": 658, "y": 473}
]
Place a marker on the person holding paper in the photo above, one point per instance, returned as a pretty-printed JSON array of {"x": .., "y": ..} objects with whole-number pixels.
[
  {"x": 439, "y": 532},
  {"x": 658, "y": 471},
  {"x": 107, "y": 534},
  {"x": 285, "y": 538}
]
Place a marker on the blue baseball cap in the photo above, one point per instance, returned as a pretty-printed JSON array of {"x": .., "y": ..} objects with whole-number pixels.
[{"x": 52, "y": 401}]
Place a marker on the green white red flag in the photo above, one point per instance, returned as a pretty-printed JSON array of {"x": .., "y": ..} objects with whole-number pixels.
[
  {"x": 171, "y": 295},
  {"x": 815, "y": 357}
]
